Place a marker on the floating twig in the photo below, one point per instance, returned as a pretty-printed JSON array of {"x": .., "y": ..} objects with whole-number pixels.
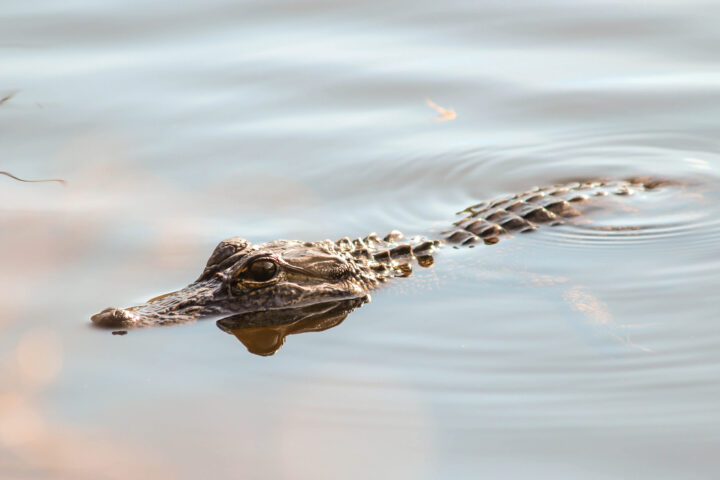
[
  {"x": 58, "y": 180},
  {"x": 6, "y": 98}
]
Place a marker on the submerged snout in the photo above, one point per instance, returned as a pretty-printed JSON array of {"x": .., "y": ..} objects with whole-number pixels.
[{"x": 114, "y": 317}]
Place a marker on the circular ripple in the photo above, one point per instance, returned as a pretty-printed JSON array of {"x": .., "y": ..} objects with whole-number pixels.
[{"x": 686, "y": 216}]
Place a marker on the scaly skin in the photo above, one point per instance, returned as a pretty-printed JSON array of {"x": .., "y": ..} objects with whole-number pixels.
[{"x": 274, "y": 283}]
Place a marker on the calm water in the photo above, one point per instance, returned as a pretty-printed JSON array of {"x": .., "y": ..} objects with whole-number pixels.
[{"x": 588, "y": 350}]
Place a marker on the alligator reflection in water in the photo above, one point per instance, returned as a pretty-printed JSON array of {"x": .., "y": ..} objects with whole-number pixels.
[
  {"x": 274, "y": 289},
  {"x": 263, "y": 333}
]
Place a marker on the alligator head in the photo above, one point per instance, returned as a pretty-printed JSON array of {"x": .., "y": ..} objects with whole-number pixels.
[{"x": 242, "y": 278}]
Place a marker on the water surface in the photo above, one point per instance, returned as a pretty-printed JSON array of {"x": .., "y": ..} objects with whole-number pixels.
[{"x": 587, "y": 350}]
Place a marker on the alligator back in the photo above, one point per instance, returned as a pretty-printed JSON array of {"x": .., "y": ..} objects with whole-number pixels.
[{"x": 523, "y": 212}]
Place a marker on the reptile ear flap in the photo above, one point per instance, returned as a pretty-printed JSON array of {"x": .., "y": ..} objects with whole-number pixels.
[{"x": 225, "y": 253}]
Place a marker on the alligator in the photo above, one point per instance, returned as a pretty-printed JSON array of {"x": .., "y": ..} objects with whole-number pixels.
[{"x": 287, "y": 286}]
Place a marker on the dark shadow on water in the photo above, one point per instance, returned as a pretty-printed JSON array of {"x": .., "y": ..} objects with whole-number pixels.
[{"x": 263, "y": 333}]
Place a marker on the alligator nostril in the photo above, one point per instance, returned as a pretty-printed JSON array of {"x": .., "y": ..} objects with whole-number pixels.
[{"x": 114, "y": 318}]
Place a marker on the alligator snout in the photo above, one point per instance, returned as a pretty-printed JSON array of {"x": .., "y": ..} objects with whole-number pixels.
[
  {"x": 197, "y": 300},
  {"x": 114, "y": 317}
]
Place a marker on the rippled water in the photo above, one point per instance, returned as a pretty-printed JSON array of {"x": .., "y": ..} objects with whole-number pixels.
[{"x": 585, "y": 350}]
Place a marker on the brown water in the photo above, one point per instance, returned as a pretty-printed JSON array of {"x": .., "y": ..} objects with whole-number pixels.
[{"x": 585, "y": 351}]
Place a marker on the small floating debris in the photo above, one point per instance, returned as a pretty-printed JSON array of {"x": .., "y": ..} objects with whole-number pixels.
[
  {"x": 120, "y": 332},
  {"x": 444, "y": 114}
]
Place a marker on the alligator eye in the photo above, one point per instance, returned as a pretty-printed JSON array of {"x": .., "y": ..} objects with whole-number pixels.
[{"x": 261, "y": 270}]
